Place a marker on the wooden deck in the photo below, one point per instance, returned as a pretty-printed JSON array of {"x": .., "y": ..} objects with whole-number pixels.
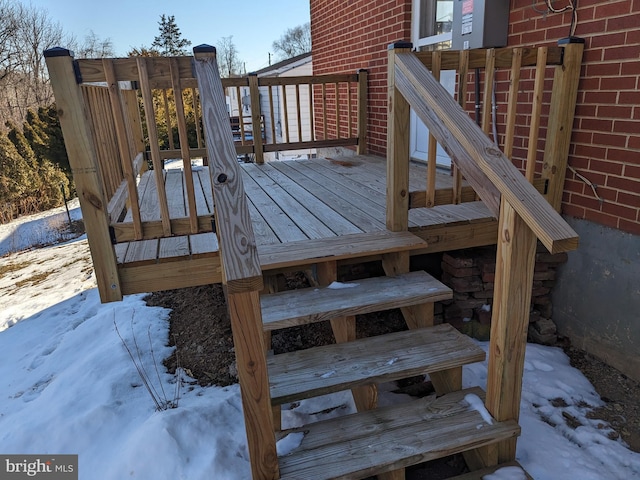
[{"x": 291, "y": 201}]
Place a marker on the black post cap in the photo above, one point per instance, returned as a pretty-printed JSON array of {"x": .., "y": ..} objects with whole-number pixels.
[
  {"x": 57, "y": 52},
  {"x": 568, "y": 40},
  {"x": 204, "y": 48},
  {"x": 395, "y": 45}
]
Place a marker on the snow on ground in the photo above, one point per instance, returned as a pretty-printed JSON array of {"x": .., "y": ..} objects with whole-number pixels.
[
  {"x": 69, "y": 385},
  {"x": 35, "y": 230}
]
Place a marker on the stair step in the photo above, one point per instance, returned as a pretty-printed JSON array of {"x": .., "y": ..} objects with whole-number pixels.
[
  {"x": 331, "y": 368},
  {"x": 385, "y": 439},
  {"x": 479, "y": 474},
  {"x": 297, "y": 307},
  {"x": 307, "y": 252}
]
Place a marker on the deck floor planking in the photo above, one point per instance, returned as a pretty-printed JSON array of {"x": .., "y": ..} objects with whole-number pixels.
[{"x": 290, "y": 201}]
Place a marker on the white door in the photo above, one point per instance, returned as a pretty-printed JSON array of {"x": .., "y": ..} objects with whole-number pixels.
[{"x": 431, "y": 30}]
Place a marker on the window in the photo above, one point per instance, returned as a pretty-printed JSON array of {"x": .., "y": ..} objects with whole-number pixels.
[{"x": 432, "y": 24}]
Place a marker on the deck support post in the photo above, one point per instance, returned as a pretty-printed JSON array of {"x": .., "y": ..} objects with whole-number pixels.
[
  {"x": 363, "y": 79},
  {"x": 84, "y": 166},
  {"x": 398, "y": 115},
  {"x": 254, "y": 93},
  {"x": 561, "y": 113},
  {"x": 241, "y": 270},
  {"x": 515, "y": 262}
]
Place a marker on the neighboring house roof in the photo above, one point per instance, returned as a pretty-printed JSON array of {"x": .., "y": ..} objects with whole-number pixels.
[{"x": 284, "y": 65}]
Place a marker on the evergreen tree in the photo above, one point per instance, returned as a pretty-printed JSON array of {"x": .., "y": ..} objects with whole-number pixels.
[
  {"x": 56, "y": 152},
  {"x": 21, "y": 143},
  {"x": 15, "y": 172},
  {"x": 170, "y": 42}
]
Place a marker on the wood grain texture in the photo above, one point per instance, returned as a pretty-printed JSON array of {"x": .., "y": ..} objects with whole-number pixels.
[
  {"x": 489, "y": 77},
  {"x": 344, "y": 330},
  {"x": 128, "y": 170},
  {"x": 536, "y": 111},
  {"x": 185, "y": 153},
  {"x": 515, "y": 262},
  {"x": 561, "y": 114},
  {"x": 512, "y": 103},
  {"x": 398, "y": 134},
  {"x": 255, "y": 119},
  {"x": 336, "y": 248},
  {"x": 503, "y": 57},
  {"x": 358, "y": 446},
  {"x": 158, "y": 166},
  {"x": 155, "y": 277},
  {"x": 237, "y": 242},
  {"x": 248, "y": 341},
  {"x": 298, "y": 307},
  {"x": 363, "y": 88},
  {"x": 448, "y": 120},
  {"x": 320, "y": 370},
  {"x": 432, "y": 148},
  {"x": 82, "y": 158}
]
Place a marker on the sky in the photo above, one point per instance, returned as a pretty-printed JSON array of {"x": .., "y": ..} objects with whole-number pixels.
[
  {"x": 68, "y": 385},
  {"x": 254, "y": 24}
]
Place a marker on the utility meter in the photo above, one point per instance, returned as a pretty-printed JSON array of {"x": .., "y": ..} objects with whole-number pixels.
[{"x": 480, "y": 24}]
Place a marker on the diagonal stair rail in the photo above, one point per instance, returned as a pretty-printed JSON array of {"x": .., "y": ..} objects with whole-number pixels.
[
  {"x": 241, "y": 272},
  {"x": 486, "y": 168},
  {"x": 524, "y": 217}
]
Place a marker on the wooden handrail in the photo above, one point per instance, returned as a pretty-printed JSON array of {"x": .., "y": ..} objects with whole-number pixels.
[
  {"x": 485, "y": 167},
  {"x": 241, "y": 270},
  {"x": 238, "y": 249}
]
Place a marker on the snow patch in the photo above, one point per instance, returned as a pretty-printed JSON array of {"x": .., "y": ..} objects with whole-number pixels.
[
  {"x": 339, "y": 285},
  {"x": 506, "y": 473},
  {"x": 288, "y": 444},
  {"x": 477, "y": 404}
]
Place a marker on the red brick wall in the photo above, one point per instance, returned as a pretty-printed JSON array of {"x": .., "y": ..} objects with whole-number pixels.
[
  {"x": 605, "y": 145},
  {"x": 605, "y": 149},
  {"x": 352, "y": 34}
]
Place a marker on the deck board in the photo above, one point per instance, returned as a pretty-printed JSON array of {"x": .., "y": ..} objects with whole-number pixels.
[
  {"x": 338, "y": 224},
  {"x": 175, "y": 193},
  {"x": 202, "y": 186},
  {"x": 277, "y": 219},
  {"x": 294, "y": 201},
  {"x": 339, "y": 203},
  {"x": 203, "y": 244},
  {"x": 311, "y": 226}
]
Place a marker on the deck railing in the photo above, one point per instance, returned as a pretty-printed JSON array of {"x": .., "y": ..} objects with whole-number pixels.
[
  {"x": 523, "y": 99},
  {"x": 143, "y": 111},
  {"x": 524, "y": 215}
]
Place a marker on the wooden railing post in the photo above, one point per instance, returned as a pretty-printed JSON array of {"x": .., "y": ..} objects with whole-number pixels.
[
  {"x": 363, "y": 87},
  {"x": 256, "y": 125},
  {"x": 84, "y": 165},
  {"x": 515, "y": 261},
  {"x": 397, "y": 147},
  {"x": 241, "y": 271},
  {"x": 561, "y": 113},
  {"x": 123, "y": 144}
]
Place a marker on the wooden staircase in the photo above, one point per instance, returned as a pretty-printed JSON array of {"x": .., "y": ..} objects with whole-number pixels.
[
  {"x": 376, "y": 440},
  {"x": 380, "y": 441}
]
